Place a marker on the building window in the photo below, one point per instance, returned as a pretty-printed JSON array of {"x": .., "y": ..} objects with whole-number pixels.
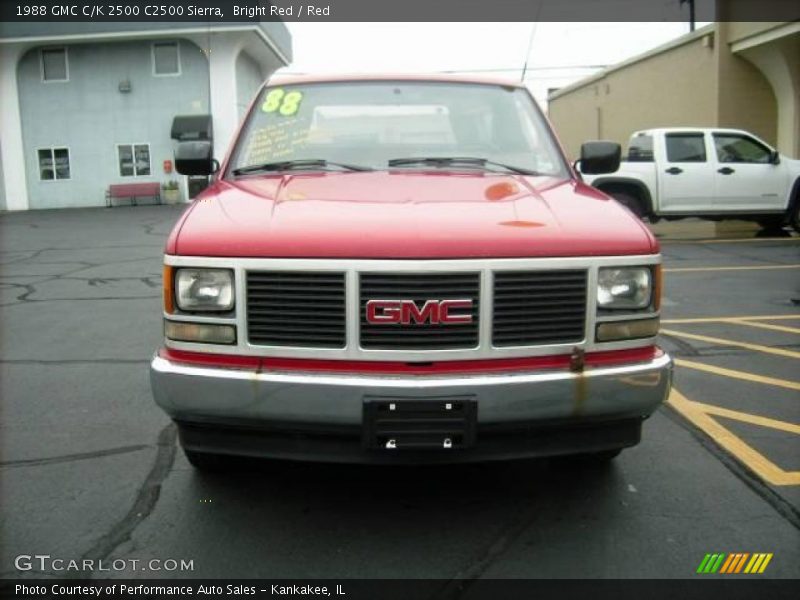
[
  {"x": 53, "y": 163},
  {"x": 166, "y": 58},
  {"x": 686, "y": 147},
  {"x": 54, "y": 64},
  {"x": 134, "y": 160}
]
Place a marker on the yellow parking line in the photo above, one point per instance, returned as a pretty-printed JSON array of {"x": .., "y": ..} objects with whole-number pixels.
[
  {"x": 754, "y": 460},
  {"x": 766, "y": 326},
  {"x": 748, "y": 418},
  {"x": 784, "y": 383},
  {"x": 737, "y": 344},
  {"x": 742, "y": 268},
  {"x": 733, "y": 319}
]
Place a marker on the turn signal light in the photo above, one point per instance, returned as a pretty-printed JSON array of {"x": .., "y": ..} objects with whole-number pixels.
[
  {"x": 658, "y": 287},
  {"x": 627, "y": 330},
  {"x": 203, "y": 333},
  {"x": 169, "y": 295}
]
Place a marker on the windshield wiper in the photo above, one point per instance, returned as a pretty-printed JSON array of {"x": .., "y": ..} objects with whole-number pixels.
[
  {"x": 444, "y": 161},
  {"x": 305, "y": 163}
]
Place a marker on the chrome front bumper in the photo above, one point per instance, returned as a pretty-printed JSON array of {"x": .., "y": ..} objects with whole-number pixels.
[{"x": 295, "y": 401}]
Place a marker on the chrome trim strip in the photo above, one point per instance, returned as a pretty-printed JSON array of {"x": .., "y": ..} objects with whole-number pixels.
[
  {"x": 625, "y": 317},
  {"x": 486, "y": 309},
  {"x": 352, "y": 268},
  {"x": 352, "y": 293},
  {"x": 205, "y": 318},
  {"x": 412, "y": 266},
  {"x": 163, "y": 365},
  {"x": 240, "y": 284}
]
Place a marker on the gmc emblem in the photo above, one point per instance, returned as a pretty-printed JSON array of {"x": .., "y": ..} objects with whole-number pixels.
[{"x": 405, "y": 312}]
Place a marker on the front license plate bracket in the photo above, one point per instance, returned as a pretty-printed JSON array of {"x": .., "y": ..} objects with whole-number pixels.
[{"x": 435, "y": 423}]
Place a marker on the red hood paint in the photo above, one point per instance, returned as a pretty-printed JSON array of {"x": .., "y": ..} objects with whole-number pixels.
[{"x": 406, "y": 214}]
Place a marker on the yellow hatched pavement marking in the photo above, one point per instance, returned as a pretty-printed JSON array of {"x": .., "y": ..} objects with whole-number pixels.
[
  {"x": 795, "y": 317},
  {"x": 769, "y": 326},
  {"x": 723, "y": 342},
  {"x": 748, "y": 418},
  {"x": 784, "y": 383},
  {"x": 754, "y": 460},
  {"x": 738, "y": 268}
]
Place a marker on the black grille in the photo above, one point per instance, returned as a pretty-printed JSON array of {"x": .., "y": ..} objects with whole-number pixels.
[
  {"x": 420, "y": 288},
  {"x": 539, "y": 307},
  {"x": 288, "y": 308}
]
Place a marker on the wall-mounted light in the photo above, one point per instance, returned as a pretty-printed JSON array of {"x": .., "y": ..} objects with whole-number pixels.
[{"x": 125, "y": 86}]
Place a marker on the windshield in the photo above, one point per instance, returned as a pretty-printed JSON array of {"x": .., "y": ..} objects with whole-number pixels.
[{"x": 370, "y": 123}]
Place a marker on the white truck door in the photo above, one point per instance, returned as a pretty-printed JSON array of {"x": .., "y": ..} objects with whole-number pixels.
[
  {"x": 745, "y": 179},
  {"x": 685, "y": 176}
]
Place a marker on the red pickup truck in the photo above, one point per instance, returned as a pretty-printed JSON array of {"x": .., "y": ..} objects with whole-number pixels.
[{"x": 406, "y": 270}]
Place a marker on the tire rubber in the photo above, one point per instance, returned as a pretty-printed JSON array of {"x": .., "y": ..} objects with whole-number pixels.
[{"x": 630, "y": 202}]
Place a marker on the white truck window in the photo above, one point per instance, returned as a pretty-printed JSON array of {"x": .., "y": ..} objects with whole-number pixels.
[
  {"x": 735, "y": 148},
  {"x": 686, "y": 147},
  {"x": 640, "y": 148}
]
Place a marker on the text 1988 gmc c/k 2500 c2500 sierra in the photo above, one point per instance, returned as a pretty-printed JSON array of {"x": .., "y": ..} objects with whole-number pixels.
[{"x": 405, "y": 270}]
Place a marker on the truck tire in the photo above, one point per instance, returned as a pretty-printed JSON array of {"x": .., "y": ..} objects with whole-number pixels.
[
  {"x": 589, "y": 459},
  {"x": 794, "y": 215},
  {"x": 771, "y": 223},
  {"x": 632, "y": 203},
  {"x": 203, "y": 461}
]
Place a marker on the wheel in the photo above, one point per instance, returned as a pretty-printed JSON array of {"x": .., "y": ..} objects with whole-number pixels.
[
  {"x": 771, "y": 223},
  {"x": 604, "y": 456},
  {"x": 632, "y": 203},
  {"x": 794, "y": 215},
  {"x": 589, "y": 459}
]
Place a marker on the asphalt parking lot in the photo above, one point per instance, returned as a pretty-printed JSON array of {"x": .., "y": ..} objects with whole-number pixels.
[{"x": 90, "y": 469}]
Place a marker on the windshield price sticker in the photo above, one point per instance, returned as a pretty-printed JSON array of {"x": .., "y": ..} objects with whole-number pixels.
[{"x": 285, "y": 104}]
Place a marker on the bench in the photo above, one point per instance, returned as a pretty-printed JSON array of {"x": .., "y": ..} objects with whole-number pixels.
[{"x": 133, "y": 192}]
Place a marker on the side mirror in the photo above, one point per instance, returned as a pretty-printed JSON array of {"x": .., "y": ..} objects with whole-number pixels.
[
  {"x": 195, "y": 158},
  {"x": 774, "y": 158},
  {"x": 600, "y": 157}
]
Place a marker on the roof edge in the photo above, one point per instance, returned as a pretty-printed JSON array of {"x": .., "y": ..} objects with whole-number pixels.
[{"x": 297, "y": 78}]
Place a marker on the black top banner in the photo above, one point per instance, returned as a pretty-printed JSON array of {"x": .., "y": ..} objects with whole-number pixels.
[{"x": 32, "y": 11}]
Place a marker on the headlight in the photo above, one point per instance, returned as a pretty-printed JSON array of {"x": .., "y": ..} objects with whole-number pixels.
[
  {"x": 204, "y": 289},
  {"x": 624, "y": 288}
]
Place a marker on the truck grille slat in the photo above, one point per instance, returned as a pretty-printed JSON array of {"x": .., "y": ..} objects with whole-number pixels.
[
  {"x": 296, "y": 308},
  {"x": 522, "y": 322},
  {"x": 321, "y": 314},
  {"x": 283, "y": 296},
  {"x": 419, "y": 287},
  {"x": 539, "y": 307},
  {"x": 542, "y": 312},
  {"x": 554, "y": 289}
]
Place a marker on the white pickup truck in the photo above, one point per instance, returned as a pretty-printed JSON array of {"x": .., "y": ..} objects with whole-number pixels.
[{"x": 709, "y": 173}]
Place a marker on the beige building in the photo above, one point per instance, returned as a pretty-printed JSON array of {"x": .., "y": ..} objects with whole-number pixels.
[{"x": 743, "y": 75}]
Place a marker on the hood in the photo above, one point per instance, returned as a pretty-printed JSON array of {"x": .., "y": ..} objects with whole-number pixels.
[{"x": 406, "y": 214}]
